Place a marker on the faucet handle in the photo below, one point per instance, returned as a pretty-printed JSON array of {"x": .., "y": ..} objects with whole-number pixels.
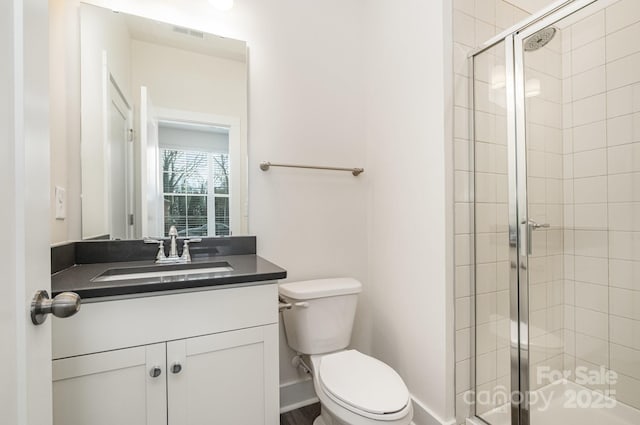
[
  {"x": 186, "y": 255},
  {"x": 160, "y": 256}
]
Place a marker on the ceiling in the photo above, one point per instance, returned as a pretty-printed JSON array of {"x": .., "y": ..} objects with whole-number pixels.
[
  {"x": 532, "y": 6},
  {"x": 151, "y": 31}
]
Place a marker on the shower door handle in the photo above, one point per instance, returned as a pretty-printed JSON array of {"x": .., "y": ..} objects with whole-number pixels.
[
  {"x": 535, "y": 225},
  {"x": 531, "y": 226}
]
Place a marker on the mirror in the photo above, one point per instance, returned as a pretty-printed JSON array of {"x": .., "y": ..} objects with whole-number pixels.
[{"x": 164, "y": 129}]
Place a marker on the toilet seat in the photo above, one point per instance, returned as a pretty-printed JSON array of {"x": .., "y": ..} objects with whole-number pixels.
[{"x": 363, "y": 385}]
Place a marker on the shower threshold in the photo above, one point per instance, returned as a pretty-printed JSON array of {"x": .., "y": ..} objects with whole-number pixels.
[{"x": 565, "y": 408}]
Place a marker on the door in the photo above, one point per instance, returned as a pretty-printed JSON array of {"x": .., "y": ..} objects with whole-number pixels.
[
  {"x": 119, "y": 164},
  {"x": 150, "y": 189},
  {"x": 225, "y": 378},
  {"x": 577, "y": 85},
  {"x": 25, "y": 351},
  {"x": 495, "y": 342},
  {"x": 125, "y": 386}
]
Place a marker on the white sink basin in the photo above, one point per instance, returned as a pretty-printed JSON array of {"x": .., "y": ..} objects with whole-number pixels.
[{"x": 173, "y": 270}]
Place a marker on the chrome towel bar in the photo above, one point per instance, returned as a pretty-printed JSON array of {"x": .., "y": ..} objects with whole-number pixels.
[{"x": 265, "y": 165}]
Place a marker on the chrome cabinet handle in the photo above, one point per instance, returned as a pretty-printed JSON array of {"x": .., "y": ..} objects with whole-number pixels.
[
  {"x": 155, "y": 372},
  {"x": 176, "y": 368},
  {"x": 63, "y": 305}
]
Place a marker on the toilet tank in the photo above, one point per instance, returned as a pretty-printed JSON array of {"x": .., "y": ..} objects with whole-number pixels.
[{"x": 321, "y": 318}]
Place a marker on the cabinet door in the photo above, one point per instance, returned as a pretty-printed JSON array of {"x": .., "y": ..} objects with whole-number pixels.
[
  {"x": 113, "y": 387},
  {"x": 227, "y": 378}
]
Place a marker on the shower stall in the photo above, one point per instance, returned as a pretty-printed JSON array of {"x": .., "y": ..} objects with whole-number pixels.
[{"x": 556, "y": 218}]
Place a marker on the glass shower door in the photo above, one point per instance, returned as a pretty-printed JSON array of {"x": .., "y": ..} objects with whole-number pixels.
[
  {"x": 556, "y": 219},
  {"x": 541, "y": 146},
  {"x": 492, "y": 374},
  {"x": 578, "y": 103}
]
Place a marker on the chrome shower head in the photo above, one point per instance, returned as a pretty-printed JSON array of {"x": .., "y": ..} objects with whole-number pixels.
[{"x": 539, "y": 39}]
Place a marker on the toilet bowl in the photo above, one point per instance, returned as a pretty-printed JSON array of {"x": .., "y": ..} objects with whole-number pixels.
[{"x": 353, "y": 388}]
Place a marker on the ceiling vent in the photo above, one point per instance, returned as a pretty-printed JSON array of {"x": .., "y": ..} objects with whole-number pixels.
[{"x": 187, "y": 31}]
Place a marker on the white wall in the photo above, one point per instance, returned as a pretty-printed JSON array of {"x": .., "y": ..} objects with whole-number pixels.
[
  {"x": 193, "y": 139},
  {"x": 409, "y": 162},
  {"x": 64, "y": 106},
  {"x": 188, "y": 81},
  {"x": 306, "y": 106}
]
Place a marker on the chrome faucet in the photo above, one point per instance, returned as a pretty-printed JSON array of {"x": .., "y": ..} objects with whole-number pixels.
[{"x": 173, "y": 257}]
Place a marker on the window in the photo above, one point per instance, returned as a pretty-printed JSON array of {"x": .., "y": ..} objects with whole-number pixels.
[{"x": 190, "y": 204}]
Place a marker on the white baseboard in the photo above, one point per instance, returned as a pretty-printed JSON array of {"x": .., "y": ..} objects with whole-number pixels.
[
  {"x": 297, "y": 394},
  {"x": 422, "y": 415}
]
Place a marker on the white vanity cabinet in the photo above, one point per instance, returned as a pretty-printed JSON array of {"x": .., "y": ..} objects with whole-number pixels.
[
  {"x": 113, "y": 387},
  {"x": 208, "y": 357},
  {"x": 222, "y": 378}
]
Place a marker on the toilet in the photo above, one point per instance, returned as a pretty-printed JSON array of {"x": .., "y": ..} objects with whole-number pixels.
[{"x": 353, "y": 388}]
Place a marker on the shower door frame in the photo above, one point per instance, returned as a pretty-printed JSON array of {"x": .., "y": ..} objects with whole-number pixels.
[{"x": 513, "y": 39}]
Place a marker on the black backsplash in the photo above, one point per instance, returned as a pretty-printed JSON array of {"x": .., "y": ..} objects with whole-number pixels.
[{"x": 89, "y": 252}]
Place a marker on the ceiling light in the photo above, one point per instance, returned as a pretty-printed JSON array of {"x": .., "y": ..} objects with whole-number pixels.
[{"x": 222, "y": 4}]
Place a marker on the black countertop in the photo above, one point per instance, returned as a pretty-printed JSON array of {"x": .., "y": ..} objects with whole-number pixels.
[{"x": 248, "y": 268}]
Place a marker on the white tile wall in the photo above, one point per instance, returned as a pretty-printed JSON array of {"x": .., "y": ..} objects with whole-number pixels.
[
  {"x": 602, "y": 246},
  {"x": 622, "y": 14},
  {"x": 545, "y": 191}
]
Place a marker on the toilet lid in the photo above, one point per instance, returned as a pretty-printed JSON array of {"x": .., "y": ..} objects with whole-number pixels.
[{"x": 363, "y": 382}]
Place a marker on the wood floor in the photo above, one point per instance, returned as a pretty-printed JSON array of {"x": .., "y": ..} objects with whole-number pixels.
[{"x": 302, "y": 416}]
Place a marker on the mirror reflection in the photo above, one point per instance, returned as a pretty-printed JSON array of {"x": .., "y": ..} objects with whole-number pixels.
[{"x": 164, "y": 118}]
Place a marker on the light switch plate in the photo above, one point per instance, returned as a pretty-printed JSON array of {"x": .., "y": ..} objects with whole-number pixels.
[{"x": 61, "y": 203}]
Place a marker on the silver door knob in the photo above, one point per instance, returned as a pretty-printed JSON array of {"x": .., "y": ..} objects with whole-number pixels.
[
  {"x": 176, "y": 368},
  {"x": 63, "y": 305},
  {"x": 155, "y": 372}
]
